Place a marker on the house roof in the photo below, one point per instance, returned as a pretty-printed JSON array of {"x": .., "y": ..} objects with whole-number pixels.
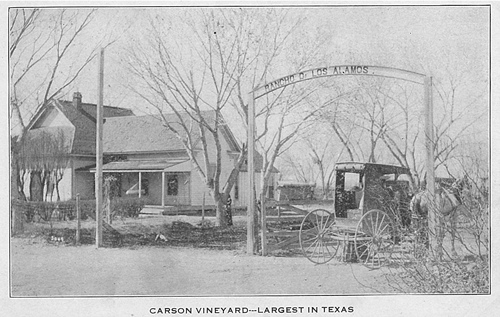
[
  {"x": 147, "y": 134},
  {"x": 282, "y": 184},
  {"x": 138, "y": 134},
  {"x": 147, "y": 165},
  {"x": 84, "y": 122},
  {"x": 83, "y": 119},
  {"x": 125, "y": 133}
]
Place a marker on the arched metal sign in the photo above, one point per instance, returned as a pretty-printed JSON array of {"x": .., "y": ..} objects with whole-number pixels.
[
  {"x": 332, "y": 71},
  {"x": 342, "y": 70}
]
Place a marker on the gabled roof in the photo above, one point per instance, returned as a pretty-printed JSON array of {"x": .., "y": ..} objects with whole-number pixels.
[
  {"x": 147, "y": 134},
  {"x": 82, "y": 119},
  {"x": 136, "y": 134},
  {"x": 85, "y": 125}
]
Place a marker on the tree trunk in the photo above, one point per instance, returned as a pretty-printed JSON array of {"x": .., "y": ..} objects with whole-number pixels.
[
  {"x": 17, "y": 183},
  {"x": 57, "y": 190},
  {"x": 36, "y": 186},
  {"x": 49, "y": 185},
  {"x": 226, "y": 208},
  {"x": 219, "y": 207},
  {"x": 16, "y": 176},
  {"x": 219, "y": 211}
]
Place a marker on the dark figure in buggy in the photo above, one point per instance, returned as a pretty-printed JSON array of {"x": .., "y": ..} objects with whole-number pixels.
[{"x": 396, "y": 201}]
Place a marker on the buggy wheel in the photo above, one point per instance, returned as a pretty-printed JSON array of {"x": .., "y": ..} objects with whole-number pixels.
[
  {"x": 374, "y": 239},
  {"x": 316, "y": 238}
]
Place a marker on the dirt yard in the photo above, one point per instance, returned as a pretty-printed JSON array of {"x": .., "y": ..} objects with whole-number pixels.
[{"x": 40, "y": 267}]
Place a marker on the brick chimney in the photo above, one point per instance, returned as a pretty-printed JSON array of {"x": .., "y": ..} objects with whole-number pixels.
[
  {"x": 77, "y": 100},
  {"x": 77, "y": 103}
]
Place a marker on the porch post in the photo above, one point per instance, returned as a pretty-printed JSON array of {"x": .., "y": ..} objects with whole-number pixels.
[
  {"x": 162, "y": 189},
  {"x": 140, "y": 185}
]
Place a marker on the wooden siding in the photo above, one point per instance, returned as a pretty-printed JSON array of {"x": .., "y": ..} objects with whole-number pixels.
[
  {"x": 52, "y": 118},
  {"x": 243, "y": 187},
  {"x": 84, "y": 185}
]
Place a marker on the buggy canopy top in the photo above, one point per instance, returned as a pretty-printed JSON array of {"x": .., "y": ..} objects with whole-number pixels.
[{"x": 357, "y": 167}]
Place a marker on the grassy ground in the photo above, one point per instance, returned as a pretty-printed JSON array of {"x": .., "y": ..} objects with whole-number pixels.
[{"x": 187, "y": 231}]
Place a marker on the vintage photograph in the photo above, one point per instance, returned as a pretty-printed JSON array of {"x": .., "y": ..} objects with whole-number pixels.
[{"x": 249, "y": 151}]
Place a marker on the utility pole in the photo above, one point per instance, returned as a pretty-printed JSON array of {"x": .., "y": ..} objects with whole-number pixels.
[
  {"x": 98, "y": 174},
  {"x": 251, "y": 175}
]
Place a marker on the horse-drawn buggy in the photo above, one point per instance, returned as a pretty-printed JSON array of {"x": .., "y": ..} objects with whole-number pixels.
[
  {"x": 377, "y": 217},
  {"x": 371, "y": 218}
]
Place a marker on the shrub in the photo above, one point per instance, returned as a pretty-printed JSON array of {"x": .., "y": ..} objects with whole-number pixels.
[
  {"x": 127, "y": 207},
  {"x": 123, "y": 207},
  {"x": 66, "y": 210},
  {"x": 87, "y": 209},
  {"x": 467, "y": 271},
  {"x": 46, "y": 210}
]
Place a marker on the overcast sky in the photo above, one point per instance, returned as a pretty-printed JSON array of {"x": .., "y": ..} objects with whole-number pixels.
[
  {"x": 434, "y": 40},
  {"x": 385, "y": 36},
  {"x": 440, "y": 41}
]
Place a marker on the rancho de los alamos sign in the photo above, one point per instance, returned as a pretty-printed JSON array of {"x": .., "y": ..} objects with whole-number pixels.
[
  {"x": 342, "y": 70},
  {"x": 331, "y": 71}
]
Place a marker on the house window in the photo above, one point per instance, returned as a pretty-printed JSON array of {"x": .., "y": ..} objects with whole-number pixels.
[
  {"x": 172, "y": 185},
  {"x": 145, "y": 186}
]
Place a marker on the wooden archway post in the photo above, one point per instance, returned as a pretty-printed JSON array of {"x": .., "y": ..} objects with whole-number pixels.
[
  {"x": 338, "y": 71},
  {"x": 434, "y": 229}
]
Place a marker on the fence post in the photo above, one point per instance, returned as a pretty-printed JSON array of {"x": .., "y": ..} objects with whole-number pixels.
[
  {"x": 203, "y": 209},
  {"x": 263, "y": 224},
  {"x": 17, "y": 218},
  {"x": 13, "y": 224},
  {"x": 78, "y": 217},
  {"x": 107, "y": 200}
]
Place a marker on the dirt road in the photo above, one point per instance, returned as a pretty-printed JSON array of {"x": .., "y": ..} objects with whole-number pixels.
[{"x": 41, "y": 269}]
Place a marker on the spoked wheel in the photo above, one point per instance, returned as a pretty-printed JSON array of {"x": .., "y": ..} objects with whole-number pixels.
[
  {"x": 315, "y": 236},
  {"x": 374, "y": 239}
]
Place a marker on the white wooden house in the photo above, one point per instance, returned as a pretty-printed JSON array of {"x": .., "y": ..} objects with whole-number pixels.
[
  {"x": 76, "y": 121},
  {"x": 149, "y": 159},
  {"x": 154, "y": 163}
]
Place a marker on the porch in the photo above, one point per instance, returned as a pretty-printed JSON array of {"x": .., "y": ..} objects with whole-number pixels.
[{"x": 164, "y": 183}]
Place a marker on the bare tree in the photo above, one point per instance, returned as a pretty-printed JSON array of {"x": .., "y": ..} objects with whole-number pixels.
[
  {"x": 281, "y": 120},
  {"x": 385, "y": 117},
  {"x": 41, "y": 48},
  {"x": 41, "y": 42},
  {"x": 302, "y": 170},
  {"x": 340, "y": 113},
  {"x": 322, "y": 155},
  {"x": 206, "y": 82},
  {"x": 229, "y": 52},
  {"x": 455, "y": 118},
  {"x": 44, "y": 153}
]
